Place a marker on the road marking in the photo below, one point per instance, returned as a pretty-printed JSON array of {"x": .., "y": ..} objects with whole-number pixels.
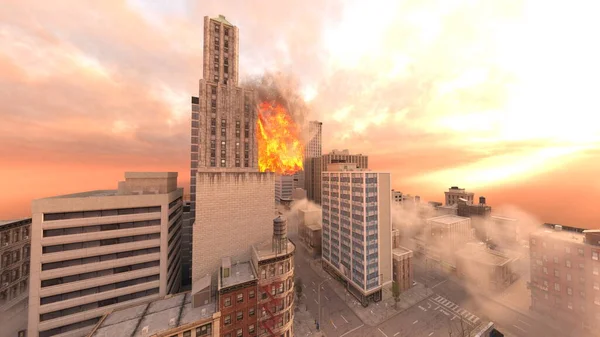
[
  {"x": 358, "y": 327},
  {"x": 439, "y": 284},
  {"x": 333, "y": 323},
  {"x": 428, "y": 305},
  {"x": 454, "y": 307},
  {"x": 344, "y": 318},
  {"x": 518, "y": 327},
  {"x": 476, "y": 319},
  {"x": 396, "y": 334},
  {"x": 524, "y": 322},
  {"x": 453, "y": 318},
  {"x": 381, "y": 332},
  {"x": 304, "y": 286},
  {"x": 313, "y": 282},
  {"x": 420, "y": 307},
  {"x": 431, "y": 333},
  {"x": 327, "y": 298},
  {"x": 415, "y": 322},
  {"x": 444, "y": 312},
  {"x": 313, "y": 289},
  {"x": 315, "y": 301},
  {"x": 304, "y": 295}
]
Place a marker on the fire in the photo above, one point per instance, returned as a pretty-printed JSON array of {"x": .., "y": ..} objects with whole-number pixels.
[{"x": 279, "y": 147}]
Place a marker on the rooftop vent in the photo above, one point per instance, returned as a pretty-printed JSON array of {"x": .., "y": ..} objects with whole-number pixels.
[
  {"x": 557, "y": 227},
  {"x": 203, "y": 311},
  {"x": 172, "y": 322}
]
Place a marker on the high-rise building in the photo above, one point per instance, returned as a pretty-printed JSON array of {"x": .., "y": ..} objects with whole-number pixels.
[
  {"x": 313, "y": 149},
  {"x": 223, "y": 130},
  {"x": 565, "y": 275},
  {"x": 320, "y": 164},
  {"x": 357, "y": 228},
  {"x": 96, "y": 251},
  {"x": 284, "y": 186},
  {"x": 454, "y": 194},
  {"x": 14, "y": 274},
  {"x": 186, "y": 244}
]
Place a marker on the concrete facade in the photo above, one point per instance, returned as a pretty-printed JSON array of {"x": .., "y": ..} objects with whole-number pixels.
[
  {"x": 97, "y": 251},
  {"x": 15, "y": 246},
  {"x": 403, "y": 268},
  {"x": 320, "y": 165},
  {"x": 235, "y": 211},
  {"x": 442, "y": 237},
  {"x": 284, "y": 186},
  {"x": 357, "y": 228},
  {"x": 454, "y": 193}
]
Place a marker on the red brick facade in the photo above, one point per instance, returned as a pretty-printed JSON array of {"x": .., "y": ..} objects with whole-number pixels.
[{"x": 239, "y": 311}]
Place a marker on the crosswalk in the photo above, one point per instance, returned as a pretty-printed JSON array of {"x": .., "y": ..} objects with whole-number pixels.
[{"x": 456, "y": 308}]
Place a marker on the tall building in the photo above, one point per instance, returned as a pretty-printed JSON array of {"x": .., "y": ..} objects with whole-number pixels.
[
  {"x": 186, "y": 244},
  {"x": 357, "y": 228},
  {"x": 320, "y": 164},
  {"x": 454, "y": 194},
  {"x": 313, "y": 150},
  {"x": 284, "y": 186},
  {"x": 14, "y": 274},
  {"x": 565, "y": 275},
  {"x": 224, "y": 117},
  {"x": 96, "y": 251}
]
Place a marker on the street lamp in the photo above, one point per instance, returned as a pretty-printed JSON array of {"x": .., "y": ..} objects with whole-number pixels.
[{"x": 319, "y": 296}]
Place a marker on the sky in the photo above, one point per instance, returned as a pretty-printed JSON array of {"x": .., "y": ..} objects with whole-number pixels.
[{"x": 494, "y": 96}]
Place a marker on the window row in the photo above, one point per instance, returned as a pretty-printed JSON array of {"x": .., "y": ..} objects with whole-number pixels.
[
  {"x": 100, "y": 213},
  {"x": 99, "y": 243},
  {"x": 14, "y": 235},
  {"x": 99, "y": 273},
  {"x": 99, "y": 258},
  {"x": 99, "y": 228}
]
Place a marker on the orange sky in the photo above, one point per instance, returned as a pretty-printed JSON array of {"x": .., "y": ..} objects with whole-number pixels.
[{"x": 493, "y": 96}]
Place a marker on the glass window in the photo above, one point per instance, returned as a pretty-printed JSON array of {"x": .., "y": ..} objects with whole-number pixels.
[
  {"x": 251, "y": 294},
  {"x": 227, "y": 301},
  {"x": 227, "y": 320},
  {"x": 239, "y": 315},
  {"x": 240, "y": 298},
  {"x": 239, "y": 333}
]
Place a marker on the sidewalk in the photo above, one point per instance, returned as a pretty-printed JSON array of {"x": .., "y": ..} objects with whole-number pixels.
[
  {"x": 376, "y": 313},
  {"x": 304, "y": 323}
]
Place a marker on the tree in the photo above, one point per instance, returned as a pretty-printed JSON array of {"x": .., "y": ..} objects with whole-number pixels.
[
  {"x": 396, "y": 293},
  {"x": 299, "y": 288}
]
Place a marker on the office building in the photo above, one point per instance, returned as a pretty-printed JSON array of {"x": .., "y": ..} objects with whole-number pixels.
[
  {"x": 357, "y": 229},
  {"x": 397, "y": 196},
  {"x": 442, "y": 237},
  {"x": 565, "y": 275},
  {"x": 403, "y": 269},
  {"x": 321, "y": 164},
  {"x": 310, "y": 228},
  {"x": 168, "y": 316},
  {"x": 284, "y": 186},
  {"x": 14, "y": 274},
  {"x": 186, "y": 244},
  {"x": 312, "y": 151},
  {"x": 455, "y": 193},
  {"x": 486, "y": 268},
  {"x": 96, "y": 251}
]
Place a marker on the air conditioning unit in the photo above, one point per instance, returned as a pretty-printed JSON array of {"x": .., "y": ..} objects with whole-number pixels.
[{"x": 172, "y": 322}]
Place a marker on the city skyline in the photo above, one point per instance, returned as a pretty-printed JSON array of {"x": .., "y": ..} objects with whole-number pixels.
[{"x": 128, "y": 107}]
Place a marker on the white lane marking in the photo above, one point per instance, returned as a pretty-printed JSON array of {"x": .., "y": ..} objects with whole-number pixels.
[
  {"x": 313, "y": 289},
  {"x": 327, "y": 298},
  {"x": 381, "y": 332},
  {"x": 396, "y": 334},
  {"x": 420, "y": 307},
  {"x": 333, "y": 323},
  {"x": 313, "y": 282},
  {"x": 304, "y": 295},
  {"x": 415, "y": 322},
  {"x": 453, "y": 318},
  {"x": 476, "y": 319},
  {"x": 524, "y": 322},
  {"x": 431, "y": 333},
  {"x": 315, "y": 301},
  {"x": 344, "y": 318},
  {"x": 454, "y": 307},
  {"x": 438, "y": 284},
  {"x": 304, "y": 286},
  {"x": 358, "y": 327},
  {"x": 518, "y": 327},
  {"x": 444, "y": 312}
]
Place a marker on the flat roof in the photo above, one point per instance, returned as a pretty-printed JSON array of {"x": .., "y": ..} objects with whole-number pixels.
[
  {"x": 265, "y": 250},
  {"x": 569, "y": 236},
  {"x": 478, "y": 252},
  {"x": 155, "y": 315},
  {"x": 447, "y": 219},
  {"x": 8, "y": 222},
  {"x": 97, "y": 193},
  {"x": 240, "y": 273},
  {"x": 314, "y": 227},
  {"x": 150, "y": 175},
  {"x": 503, "y": 218},
  {"x": 401, "y": 251}
]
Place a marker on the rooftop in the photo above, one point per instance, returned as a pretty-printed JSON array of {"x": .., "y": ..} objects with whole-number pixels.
[
  {"x": 478, "y": 252},
  {"x": 265, "y": 250},
  {"x": 240, "y": 273},
  {"x": 401, "y": 251},
  {"x": 502, "y": 218},
  {"x": 155, "y": 315},
  {"x": 315, "y": 227},
  {"x": 221, "y": 18},
  {"x": 97, "y": 193},
  {"x": 569, "y": 236},
  {"x": 447, "y": 219},
  {"x": 7, "y": 222}
]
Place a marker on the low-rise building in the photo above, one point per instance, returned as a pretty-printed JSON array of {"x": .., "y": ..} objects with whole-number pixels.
[
  {"x": 454, "y": 193},
  {"x": 442, "y": 237},
  {"x": 486, "y": 268},
  {"x": 238, "y": 286},
  {"x": 503, "y": 230},
  {"x": 403, "y": 269},
  {"x": 15, "y": 243}
]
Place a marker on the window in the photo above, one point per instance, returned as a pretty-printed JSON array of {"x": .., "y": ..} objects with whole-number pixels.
[
  {"x": 239, "y": 315},
  {"x": 240, "y": 298},
  {"x": 187, "y": 333},
  {"x": 556, "y": 286},
  {"x": 239, "y": 333},
  {"x": 580, "y": 251},
  {"x": 595, "y": 256},
  {"x": 227, "y": 301},
  {"x": 569, "y": 291},
  {"x": 280, "y": 288},
  {"x": 568, "y": 277},
  {"x": 251, "y": 312},
  {"x": 251, "y": 328},
  {"x": 280, "y": 269},
  {"x": 596, "y": 286},
  {"x": 556, "y": 259},
  {"x": 546, "y": 284},
  {"x": 204, "y": 330},
  {"x": 568, "y": 250},
  {"x": 227, "y": 320},
  {"x": 251, "y": 294},
  {"x": 533, "y": 242},
  {"x": 556, "y": 273},
  {"x": 596, "y": 271},
  {"x": 544, "y": 244},
  {"x": 570, "y": 305},
  {"x": 545, "y": 270},
  {"x": 568, "y": 263}
]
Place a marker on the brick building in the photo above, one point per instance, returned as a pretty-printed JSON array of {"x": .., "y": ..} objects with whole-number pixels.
[
  {"x": 565, "y": 275},
  {"x": 403, "y": 268},
  {"x": 15, "y": 244},
  {"x": 237, "y": 299},
  {"x": 486, "y": 268}
]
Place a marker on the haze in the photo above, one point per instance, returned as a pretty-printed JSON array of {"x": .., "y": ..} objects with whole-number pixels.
[{"x": 494, "y": 96}]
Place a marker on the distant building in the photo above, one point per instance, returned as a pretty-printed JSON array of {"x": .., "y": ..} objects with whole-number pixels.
[
  {"x": 486, "y": 268},
  {"x": 15, "y": 245},
  {"x": 284, "y": 186},
  {"x": 298, "y": 194},
  {"x": 397, "y": 196},
  {"x": 442, "y": 237},
  {"x": 565, "y": 275},
  {"x": 503, "y": 230},
  {"x": 396, "y": 236},
  {"x": 186, "y": 245},
  {"x": 357, "y": 228},
  {"x": 314, "y": 149},
  {"x": 171, "y": 315},
  {"x": 321, "y": 163},
  {"x": 479, "y": 214},
  {"x": 455, "y": 193},
  {"x": 98, "y": 251},
  {"x": 447, "y": 210},
  {"x": 310, "y": 229},
  {"x": 403, "y": 269}
]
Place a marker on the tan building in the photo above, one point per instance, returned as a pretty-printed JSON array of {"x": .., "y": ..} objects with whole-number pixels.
[
  {"x": 455, "y": 193},
  {"x": 320, "y": 164},
  {"x": 14, "y": 274},
  {"x": 284, "y": 186},
  {"x": 397, "y": 196},
  {"x": 169, "y": 316},
  {"x": 442, "y": 237},
  {"x": 403, "y": 268},
  {"x": 312, "y": 150},
  {"x": 97, "y": 251},
  {"x": 357, "y": 229},
  {"x": 310, "y": 228},
  {"x": 503, "y": 230},
  {"x": 565, "y": 275},
  {"x": 486, "y": 268}
]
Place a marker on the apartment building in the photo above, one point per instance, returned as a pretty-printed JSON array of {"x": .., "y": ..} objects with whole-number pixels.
[
  {"x": 486, "y": 268},
  {"x": 357, "y": 229},
  {"x": 14, "y": 275},
  {"x": 397, "y": 196},
  {"x": 237, "y": 291},
  {"x": 565, "y": 275},
  {"x": 97, "y": 251},
  {"x": 403, "y": 268},
  {"x": 320, "y": 164},
  {"x": 454, "y": 194}
]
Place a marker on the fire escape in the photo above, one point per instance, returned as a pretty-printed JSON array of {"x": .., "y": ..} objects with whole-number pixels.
[{"x": 269, "y": 323}]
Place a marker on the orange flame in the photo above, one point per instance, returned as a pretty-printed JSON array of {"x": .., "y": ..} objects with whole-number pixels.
[{"x": 279, "y": 147}]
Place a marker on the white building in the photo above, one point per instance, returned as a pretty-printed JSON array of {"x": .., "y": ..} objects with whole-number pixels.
[
  {"x": 357, "y": 228},
  {"x": 284, "y": 186},
  {"x": 96, "y": 251}
]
